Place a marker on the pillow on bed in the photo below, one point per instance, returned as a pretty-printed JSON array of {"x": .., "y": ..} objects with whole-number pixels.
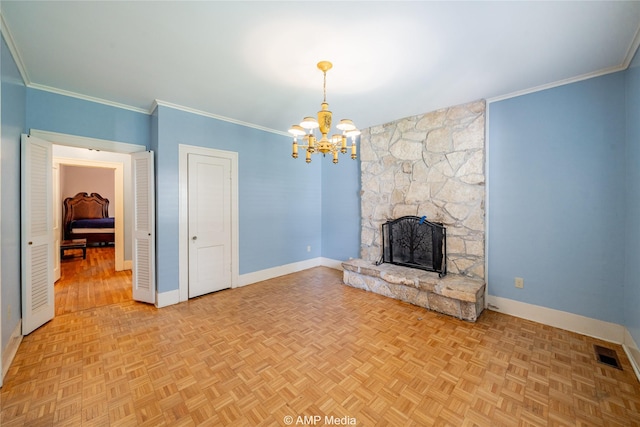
[{"x": 93, "y": 223}]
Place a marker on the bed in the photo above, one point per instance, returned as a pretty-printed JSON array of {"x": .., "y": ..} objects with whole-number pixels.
[{"x": 87, "y": 217}]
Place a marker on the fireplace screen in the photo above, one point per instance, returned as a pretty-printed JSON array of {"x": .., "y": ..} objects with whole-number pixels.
[{"x": 414, "y": 242}]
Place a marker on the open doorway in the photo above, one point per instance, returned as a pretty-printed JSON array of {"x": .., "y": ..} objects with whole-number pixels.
[
  {"x": 98, "y": 272},
  {"x": 86, "y": 271}
]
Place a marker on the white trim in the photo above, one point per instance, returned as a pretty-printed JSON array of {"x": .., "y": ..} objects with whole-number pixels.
[
  {"x": 9, "y": 353},
  {"x": 270, "y": 273},
  {"x": 594, "y": 328},
  {"x": 633, "y": 353},
  {"x": 331, "y": 263},
  {"x": 214, "y": 116},
  {"x": 486, "y": 201},
  {"x": 558, "y": 83},
  {"x": 164, "y": 299},
  {"x": 6, "y": 32},
  {"x": 85, "y": 142},
  {"x": 118, "y": 182},
  {"x": 183, "y": 214},
  {"x": 87, "y": 98},
  {"x": 631, "y": 51}
]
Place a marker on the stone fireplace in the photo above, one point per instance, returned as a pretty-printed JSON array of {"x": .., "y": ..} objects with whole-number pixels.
[{"x": 432, "y": 166}]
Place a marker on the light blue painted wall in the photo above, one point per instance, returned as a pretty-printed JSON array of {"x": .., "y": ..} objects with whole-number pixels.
[
  {"x": 632, "y": 229},
  {"x": 279, "y": 197},
  {"x": 340, "y": 207},
  {"x": 64, "y": 114},
  {"x": 13, "y": 93},
  {"x": 556, "y": 194}
]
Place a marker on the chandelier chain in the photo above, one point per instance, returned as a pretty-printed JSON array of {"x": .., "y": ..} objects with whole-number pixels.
[{"x": 324, "y": 86}]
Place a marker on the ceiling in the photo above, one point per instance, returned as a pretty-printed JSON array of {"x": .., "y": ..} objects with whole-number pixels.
[{"x": 255, "y": 62}]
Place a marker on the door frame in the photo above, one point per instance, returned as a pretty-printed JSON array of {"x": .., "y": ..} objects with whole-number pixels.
[{"x": 183, "y": 215}]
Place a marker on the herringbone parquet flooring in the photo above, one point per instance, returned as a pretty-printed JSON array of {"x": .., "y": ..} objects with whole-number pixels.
[{"x": 305, "y": 346}]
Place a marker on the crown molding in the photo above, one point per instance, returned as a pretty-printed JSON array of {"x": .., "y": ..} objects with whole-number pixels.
[
  {"x": 6, "y": 32},
  {"x": 631, "y": 51},
  {"x": 87, "y": 98},
  {"x": 87, "y": 142},
  {"x": 558, "y": 83},
  {"x": 633, "y": 48},
  {"x": 158, "y": 102}
]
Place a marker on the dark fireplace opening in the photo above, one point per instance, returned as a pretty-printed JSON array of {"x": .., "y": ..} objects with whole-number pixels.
[{"x": 413, "y": 241}]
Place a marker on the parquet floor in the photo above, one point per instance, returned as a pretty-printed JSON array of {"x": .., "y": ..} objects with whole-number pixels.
[
  {"x": 91, "y": 282},
  {"x": 305, "y": 346}
]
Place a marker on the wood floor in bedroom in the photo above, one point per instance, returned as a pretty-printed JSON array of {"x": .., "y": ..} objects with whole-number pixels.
[
  {"x": 91, "y": 282},
  {"x": 289, "y": 349}
]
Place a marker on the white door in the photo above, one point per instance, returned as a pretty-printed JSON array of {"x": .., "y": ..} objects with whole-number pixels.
[
  {"x": 57, "y": 221},
  {"x": 36, "y": 233},
  {"x": 209, "y": 193},
  {"x": 144, "y": 282}
]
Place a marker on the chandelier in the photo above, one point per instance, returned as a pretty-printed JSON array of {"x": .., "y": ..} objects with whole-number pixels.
[{"x": 334, "y": 144}]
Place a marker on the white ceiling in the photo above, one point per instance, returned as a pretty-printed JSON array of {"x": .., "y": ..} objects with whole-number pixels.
[{"x": 255, "y": 62}]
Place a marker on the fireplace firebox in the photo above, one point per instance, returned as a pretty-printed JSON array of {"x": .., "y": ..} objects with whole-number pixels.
[{"x": 413, "y": 241}]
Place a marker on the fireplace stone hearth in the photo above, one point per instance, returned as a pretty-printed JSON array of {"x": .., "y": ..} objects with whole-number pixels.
[{"x": 455, "y": 295}]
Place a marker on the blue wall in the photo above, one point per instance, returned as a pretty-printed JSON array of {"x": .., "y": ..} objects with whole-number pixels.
[
  {"x": 632, "y": 229},
  {"x": 13, "y": 100},
  {"x": 556, "y": 196},
  {"x": 340, "y": 207},
  {"x": 279, "y": 197},
  {"x": 64, "y": 114}
]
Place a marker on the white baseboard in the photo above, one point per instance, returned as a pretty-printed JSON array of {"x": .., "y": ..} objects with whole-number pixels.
[
  {"x": 632, "y": 351},
  {"x": 128, "y": 264},
  {"x": 606, "y": 331},
  {"x": 331, "y": 263},
  {"x": 270, "y": 273},
  {"x": 9, "y": 352},
  {"x": 164, "y": 299},
  {"x": 173, "y": 297}
]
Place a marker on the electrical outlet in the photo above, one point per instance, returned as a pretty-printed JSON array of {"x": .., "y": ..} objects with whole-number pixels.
[
  {"x": 519, "y": 282},
  {"x": 308, "y": 248}
]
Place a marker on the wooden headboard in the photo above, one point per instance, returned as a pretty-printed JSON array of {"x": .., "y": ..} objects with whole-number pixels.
[{"x": 84, "y": 206}]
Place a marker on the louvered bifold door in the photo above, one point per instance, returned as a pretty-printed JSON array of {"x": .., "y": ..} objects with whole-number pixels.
[
  {"x": 144, "y": 286},
  {"x": 37, "y": 233}
]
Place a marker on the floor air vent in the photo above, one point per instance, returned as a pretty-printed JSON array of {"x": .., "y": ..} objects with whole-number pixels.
[{"x": 607, "y": 356}]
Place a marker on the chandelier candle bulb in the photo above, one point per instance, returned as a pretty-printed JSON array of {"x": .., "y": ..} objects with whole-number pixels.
[
  {"x": 295, "y": 149},
  {"x": 335, "y": 157},
  {"x": 343, "y": 150}
]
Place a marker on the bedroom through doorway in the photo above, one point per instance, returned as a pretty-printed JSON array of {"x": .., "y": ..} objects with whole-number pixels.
[{"x": 89, "y": 276}]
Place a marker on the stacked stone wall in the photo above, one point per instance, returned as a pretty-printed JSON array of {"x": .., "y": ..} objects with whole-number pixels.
[{"x": 433, "y": 165}]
